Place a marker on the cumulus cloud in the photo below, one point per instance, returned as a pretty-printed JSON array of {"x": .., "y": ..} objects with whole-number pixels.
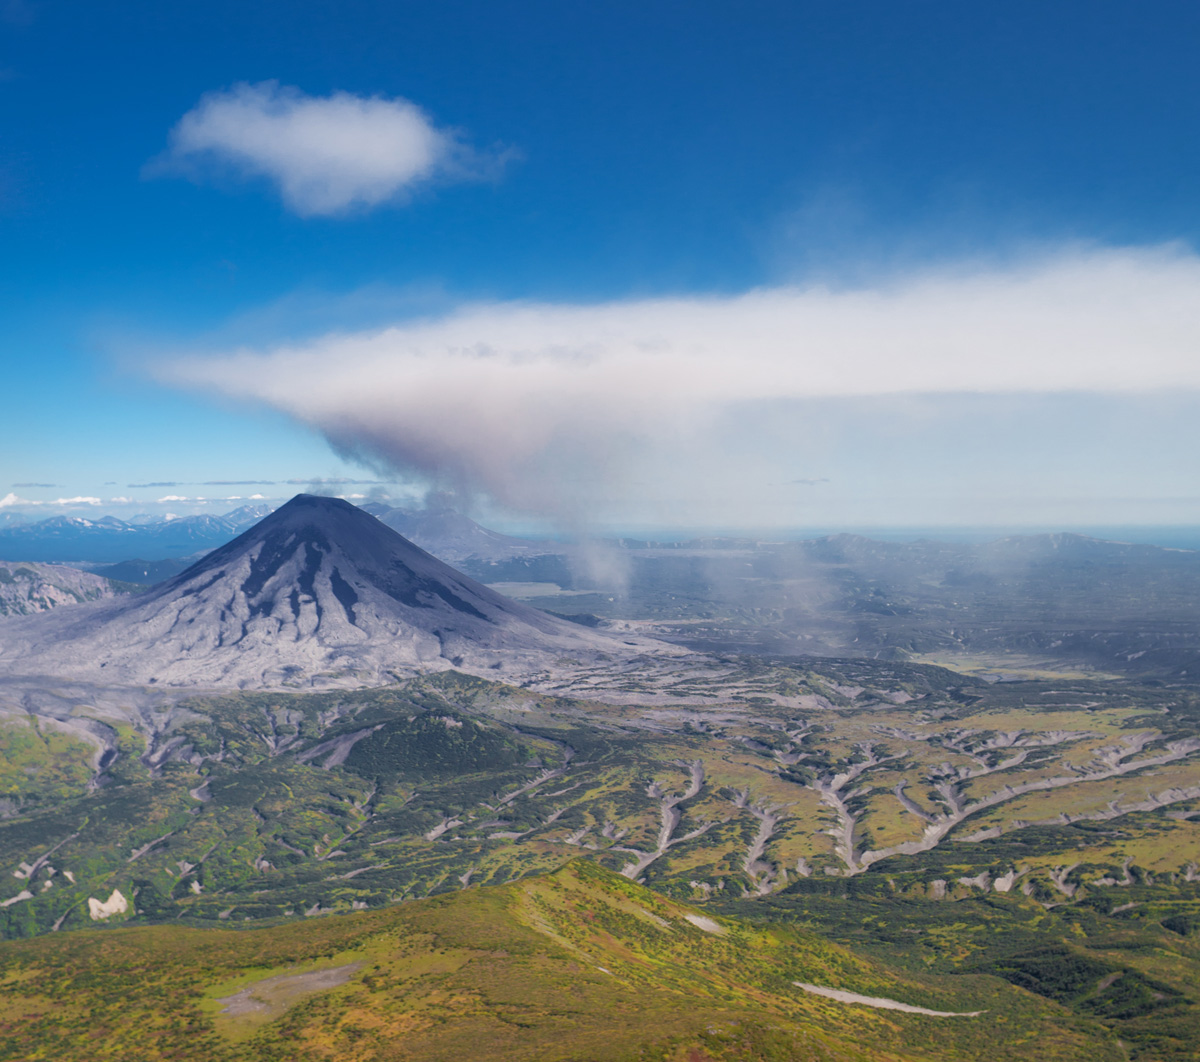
[
  {"x": 11, "y": 500},
  {"x": 175, "y": 499},
  {"x": 326, "y": 154},
  {"x": 546, "y": 407}
]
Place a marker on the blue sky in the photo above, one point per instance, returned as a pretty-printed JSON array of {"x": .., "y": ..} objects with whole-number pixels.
[{"x": 617, "y": 170}]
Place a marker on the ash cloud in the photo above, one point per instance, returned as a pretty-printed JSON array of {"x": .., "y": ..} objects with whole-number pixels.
[{"x": 569, "y": 411}]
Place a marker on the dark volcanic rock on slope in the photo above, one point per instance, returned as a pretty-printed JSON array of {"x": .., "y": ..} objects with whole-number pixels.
[{"x": 319, "y": 592}]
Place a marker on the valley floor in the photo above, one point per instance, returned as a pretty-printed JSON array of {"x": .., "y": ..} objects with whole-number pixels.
[{"x": 968, "y": 825}]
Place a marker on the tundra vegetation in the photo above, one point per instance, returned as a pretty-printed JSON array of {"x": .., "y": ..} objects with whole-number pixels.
[{"x": 1028, "y": 849}]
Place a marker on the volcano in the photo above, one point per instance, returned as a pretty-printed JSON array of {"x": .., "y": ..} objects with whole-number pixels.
[{"x": 317, "y": 593}]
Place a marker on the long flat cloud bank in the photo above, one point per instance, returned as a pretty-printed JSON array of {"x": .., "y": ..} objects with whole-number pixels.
[{"x": 540, "y": 406}]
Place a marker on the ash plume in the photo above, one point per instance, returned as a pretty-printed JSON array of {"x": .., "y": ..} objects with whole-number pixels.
[{"x": 569, "y": 411}]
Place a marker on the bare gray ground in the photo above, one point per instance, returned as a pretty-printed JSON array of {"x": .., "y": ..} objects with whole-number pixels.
[{"x": 273, "y": 995}]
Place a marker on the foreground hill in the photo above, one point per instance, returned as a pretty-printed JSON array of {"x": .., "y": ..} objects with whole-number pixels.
[
  {"x": 29, "y": 588},
  {"x": 317, "y": 593},
  {"x": 580, "y": 964}
]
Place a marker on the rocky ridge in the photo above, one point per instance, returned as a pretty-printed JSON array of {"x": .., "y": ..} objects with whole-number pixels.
[{"x": 26, "y": 588}]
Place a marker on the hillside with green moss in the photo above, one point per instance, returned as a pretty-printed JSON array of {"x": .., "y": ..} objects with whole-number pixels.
[{"x": 578, "y": 964}]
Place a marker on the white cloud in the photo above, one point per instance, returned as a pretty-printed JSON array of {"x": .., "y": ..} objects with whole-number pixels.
[
  {"x": 326, "y": 154},
  {"x": 11, "y": 500},
  {"x": 547, "y": 407}
]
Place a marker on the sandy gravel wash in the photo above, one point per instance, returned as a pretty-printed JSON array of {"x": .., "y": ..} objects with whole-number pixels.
[
  {"x": 274, "y": 994},
  {"x": 883, "y": 1004}
]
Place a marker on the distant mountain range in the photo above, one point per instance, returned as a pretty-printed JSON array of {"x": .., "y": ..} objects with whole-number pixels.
[
  {"x": 107, "y": 539},
  {"x": 149, "y": 550},
  {"x": 319, "y": 593}
]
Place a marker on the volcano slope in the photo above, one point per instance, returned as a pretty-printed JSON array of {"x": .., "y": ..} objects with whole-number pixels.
[{"x": 318, "y": 593}]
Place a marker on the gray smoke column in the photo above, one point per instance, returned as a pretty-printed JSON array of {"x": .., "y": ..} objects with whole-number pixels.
[{"x": 551, "y": 409}]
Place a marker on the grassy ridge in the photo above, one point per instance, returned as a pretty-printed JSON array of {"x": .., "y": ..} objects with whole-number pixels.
[
  {"x": 580, "y": 964},
  {"x": 1126, "y": 969}
]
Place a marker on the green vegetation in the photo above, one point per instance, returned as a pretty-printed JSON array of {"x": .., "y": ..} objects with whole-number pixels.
[
  {"x": 431, "y": 745},
  {"x": 269, "y": 805},
  {"x": 1124, "y": 970},
  {"x": 580, "y": 964},
  {"x": 1068, "y": 913},
  {"x": 41, "y": 765}
]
